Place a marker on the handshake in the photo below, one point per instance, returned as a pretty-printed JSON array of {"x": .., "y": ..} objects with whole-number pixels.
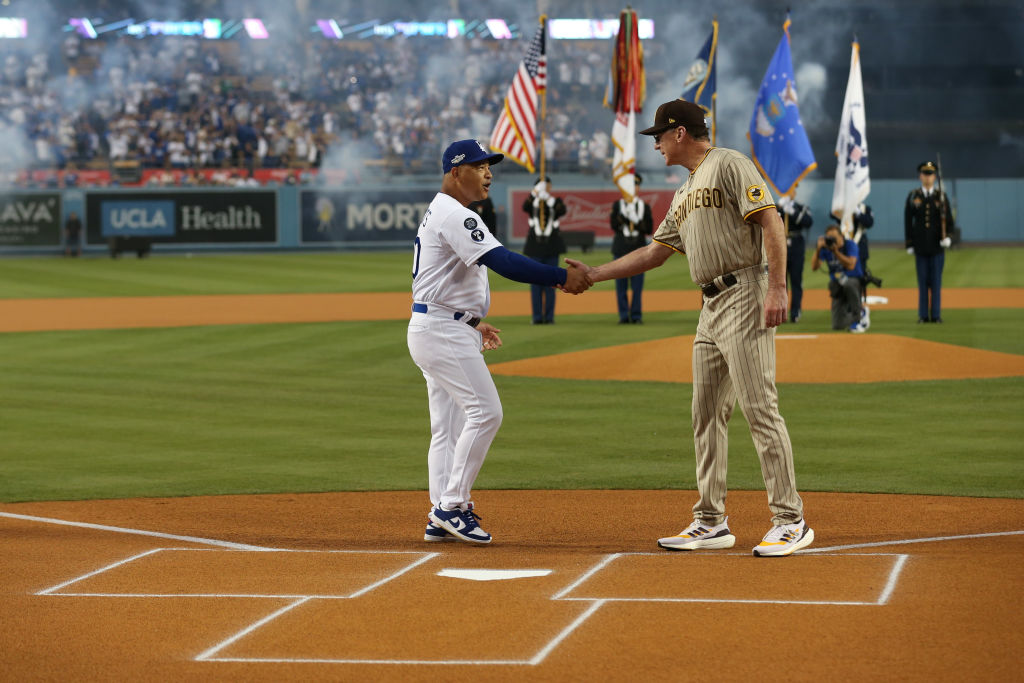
[{"x": 579, "y": 277}]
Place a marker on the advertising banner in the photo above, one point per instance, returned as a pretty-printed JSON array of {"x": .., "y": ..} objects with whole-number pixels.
[
  {"x": 369, "y": 216},
  {"x": 183, "y": 218},
  {"x": 137, "y": 219},
  {"x": 30, "y": 220},
  {"x": 588, "y": 210}
]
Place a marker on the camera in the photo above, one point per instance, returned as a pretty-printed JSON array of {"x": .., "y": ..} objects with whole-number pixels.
[{"x": 830, "y": 241}]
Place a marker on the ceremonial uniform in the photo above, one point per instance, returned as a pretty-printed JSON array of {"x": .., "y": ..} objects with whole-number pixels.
[
  {"x": 926, "y": 210},
  {"x": 485, "y": 207},
  {"x": 632, "y": 223},
  {"x": 733, "y": 352},
  {"x": 797, "y": 219},
  {"x": 544, "y": 243}
]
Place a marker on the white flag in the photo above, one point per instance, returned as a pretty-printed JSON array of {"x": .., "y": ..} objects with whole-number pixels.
[
  {"x": 624, "y": 155},
  {"x": 853, "y": 181}
]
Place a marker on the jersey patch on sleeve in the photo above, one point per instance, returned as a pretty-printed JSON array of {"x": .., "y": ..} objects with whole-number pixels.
[
  {"x": 756, "y": 193},
  {"x": 477, "y": 234},
  {"x": 469, "y": 224}
]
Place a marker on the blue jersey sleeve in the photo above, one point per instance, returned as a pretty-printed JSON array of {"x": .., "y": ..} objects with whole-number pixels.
[{"x": 513, "y": 266}]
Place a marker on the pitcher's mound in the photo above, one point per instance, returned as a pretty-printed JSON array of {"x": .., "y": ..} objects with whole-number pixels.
[{"x": 802, "y": 359}]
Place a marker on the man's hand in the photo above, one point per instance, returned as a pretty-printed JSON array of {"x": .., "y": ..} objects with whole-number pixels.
[
  {"x": 910, "y": 250},
  {"x": 821, "y": 242},
  {"x": 775, "y": 303},
  {"x": 577, "y": 279},
  {"x": 489, "y": 332},
  {"x": 945, "y": 242}
]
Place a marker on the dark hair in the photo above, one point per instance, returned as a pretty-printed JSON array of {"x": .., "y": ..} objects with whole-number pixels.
[
  {"x": 639, "y": 178},
  {"x": 835, "y": 227}
]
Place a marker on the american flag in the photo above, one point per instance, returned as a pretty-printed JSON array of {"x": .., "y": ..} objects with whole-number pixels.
[{"x": 515, "y": 134}]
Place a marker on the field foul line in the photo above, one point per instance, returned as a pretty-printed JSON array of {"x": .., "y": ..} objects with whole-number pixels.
[
  {"x": 137, "y": 532},
  {"x": 881, "y": 544}
]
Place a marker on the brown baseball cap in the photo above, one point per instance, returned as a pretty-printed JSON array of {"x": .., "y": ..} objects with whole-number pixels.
[{"x": 678, "y": 113}]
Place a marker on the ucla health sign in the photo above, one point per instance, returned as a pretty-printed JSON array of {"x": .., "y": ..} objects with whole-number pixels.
[
  {"x": 137, "y": 218},
  {"x": 215, "y": 217}
]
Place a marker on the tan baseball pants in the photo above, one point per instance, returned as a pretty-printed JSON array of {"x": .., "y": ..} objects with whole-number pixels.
[{"x": 734, "y": 358}]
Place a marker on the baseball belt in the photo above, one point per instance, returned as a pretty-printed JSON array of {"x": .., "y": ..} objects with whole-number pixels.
[
  {"x": 470, "y": 320},
  {"x": 720, "y": 284}
]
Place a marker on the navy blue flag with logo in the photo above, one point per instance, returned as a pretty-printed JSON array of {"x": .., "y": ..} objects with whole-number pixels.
[
  {"x": 778, "y": 141},
  {"x": 699, "y": 86}
]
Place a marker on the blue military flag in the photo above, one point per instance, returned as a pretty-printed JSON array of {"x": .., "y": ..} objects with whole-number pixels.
[
  {"x": 778, "y": 141},
  {"x": 700, "y": 86}
]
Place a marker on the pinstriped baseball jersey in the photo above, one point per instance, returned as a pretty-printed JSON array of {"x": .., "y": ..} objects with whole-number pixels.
[{"x": 708, "y": 217}]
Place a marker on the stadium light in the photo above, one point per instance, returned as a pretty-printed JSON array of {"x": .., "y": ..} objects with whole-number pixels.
[{"x": 255, "y": 29}]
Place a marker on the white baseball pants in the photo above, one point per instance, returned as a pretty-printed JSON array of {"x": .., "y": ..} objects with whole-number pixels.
[{"x": 465, "y": 411}]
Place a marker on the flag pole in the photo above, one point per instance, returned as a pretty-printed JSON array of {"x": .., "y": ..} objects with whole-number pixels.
[
  {"x": 714, "y": 95},
  {"x": 540, "y": 128}
]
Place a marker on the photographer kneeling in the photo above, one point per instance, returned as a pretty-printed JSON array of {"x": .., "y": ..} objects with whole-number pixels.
[{"x": 845, "y": 272}]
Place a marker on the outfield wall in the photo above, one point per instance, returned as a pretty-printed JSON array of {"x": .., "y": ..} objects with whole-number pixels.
[{"x": 386, "y": 216}]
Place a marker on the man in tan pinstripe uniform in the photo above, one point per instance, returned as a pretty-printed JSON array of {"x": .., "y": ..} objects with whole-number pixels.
[{"x": 736, "y": 246}]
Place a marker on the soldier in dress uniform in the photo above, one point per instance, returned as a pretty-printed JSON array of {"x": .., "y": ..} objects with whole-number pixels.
[
  {"x": 631, "y": 223},
  {"x": 797, "y": 219},
  {"x": 928, "y": 224},
  {"x": 544, "y": 243}
]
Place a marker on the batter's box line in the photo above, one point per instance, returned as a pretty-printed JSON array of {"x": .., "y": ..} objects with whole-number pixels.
[
  {"x": 540, "y": 656},
  {"x": 883, "y": 597},
  {"x": 52, "y": 591},
  {"x": 208, "y": 656}
]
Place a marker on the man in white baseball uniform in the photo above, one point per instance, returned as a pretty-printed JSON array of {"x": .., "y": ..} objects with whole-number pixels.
[
  {"x": 724, "y": 220},
  {"x": 451, "y": 296}
]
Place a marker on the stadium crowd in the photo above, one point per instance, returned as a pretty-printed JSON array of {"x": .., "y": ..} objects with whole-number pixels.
[{"x": 186, "y": 104}]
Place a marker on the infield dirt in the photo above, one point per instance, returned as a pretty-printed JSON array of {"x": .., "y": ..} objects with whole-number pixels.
[{"x": 116, "y": 608}]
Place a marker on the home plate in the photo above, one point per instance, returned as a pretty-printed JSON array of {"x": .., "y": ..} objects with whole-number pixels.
[{"x": 492, "y": 574}]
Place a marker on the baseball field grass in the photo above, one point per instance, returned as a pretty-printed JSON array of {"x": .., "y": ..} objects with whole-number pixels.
[{"x": 340, "y": 406}]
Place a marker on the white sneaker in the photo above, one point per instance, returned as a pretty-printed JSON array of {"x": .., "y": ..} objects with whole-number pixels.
[
  {"x": 785, "y": 539},
  {"x": 700, "y": 535},
  {"x": 865, "y": 318}
]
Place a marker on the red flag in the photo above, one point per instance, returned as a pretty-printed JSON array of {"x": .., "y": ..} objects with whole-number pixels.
[{"x": 625, "y": 94}]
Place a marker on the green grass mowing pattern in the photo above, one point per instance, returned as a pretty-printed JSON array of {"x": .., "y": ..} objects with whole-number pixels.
[
  {"x": 283, "y": 273},
  {"x": 340, "y": 406}
]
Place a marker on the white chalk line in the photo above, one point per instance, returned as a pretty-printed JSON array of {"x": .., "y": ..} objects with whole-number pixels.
[
  {"x": 49, "y": 591},
  {"x": 137, "y": 532},
  {"x": 546, "y": 650},
  {"x": 304, "y": 660},
  {"x": 882, "y": 544},
  {"x": 894, "y": 575},
  {"x": 249, "y": 629},
  {"x": 596, "y": 603},
  {"x": 266, "y": 620},
  {"x": 887, "y": 591},
  {"x": 273, "y": 596}
]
